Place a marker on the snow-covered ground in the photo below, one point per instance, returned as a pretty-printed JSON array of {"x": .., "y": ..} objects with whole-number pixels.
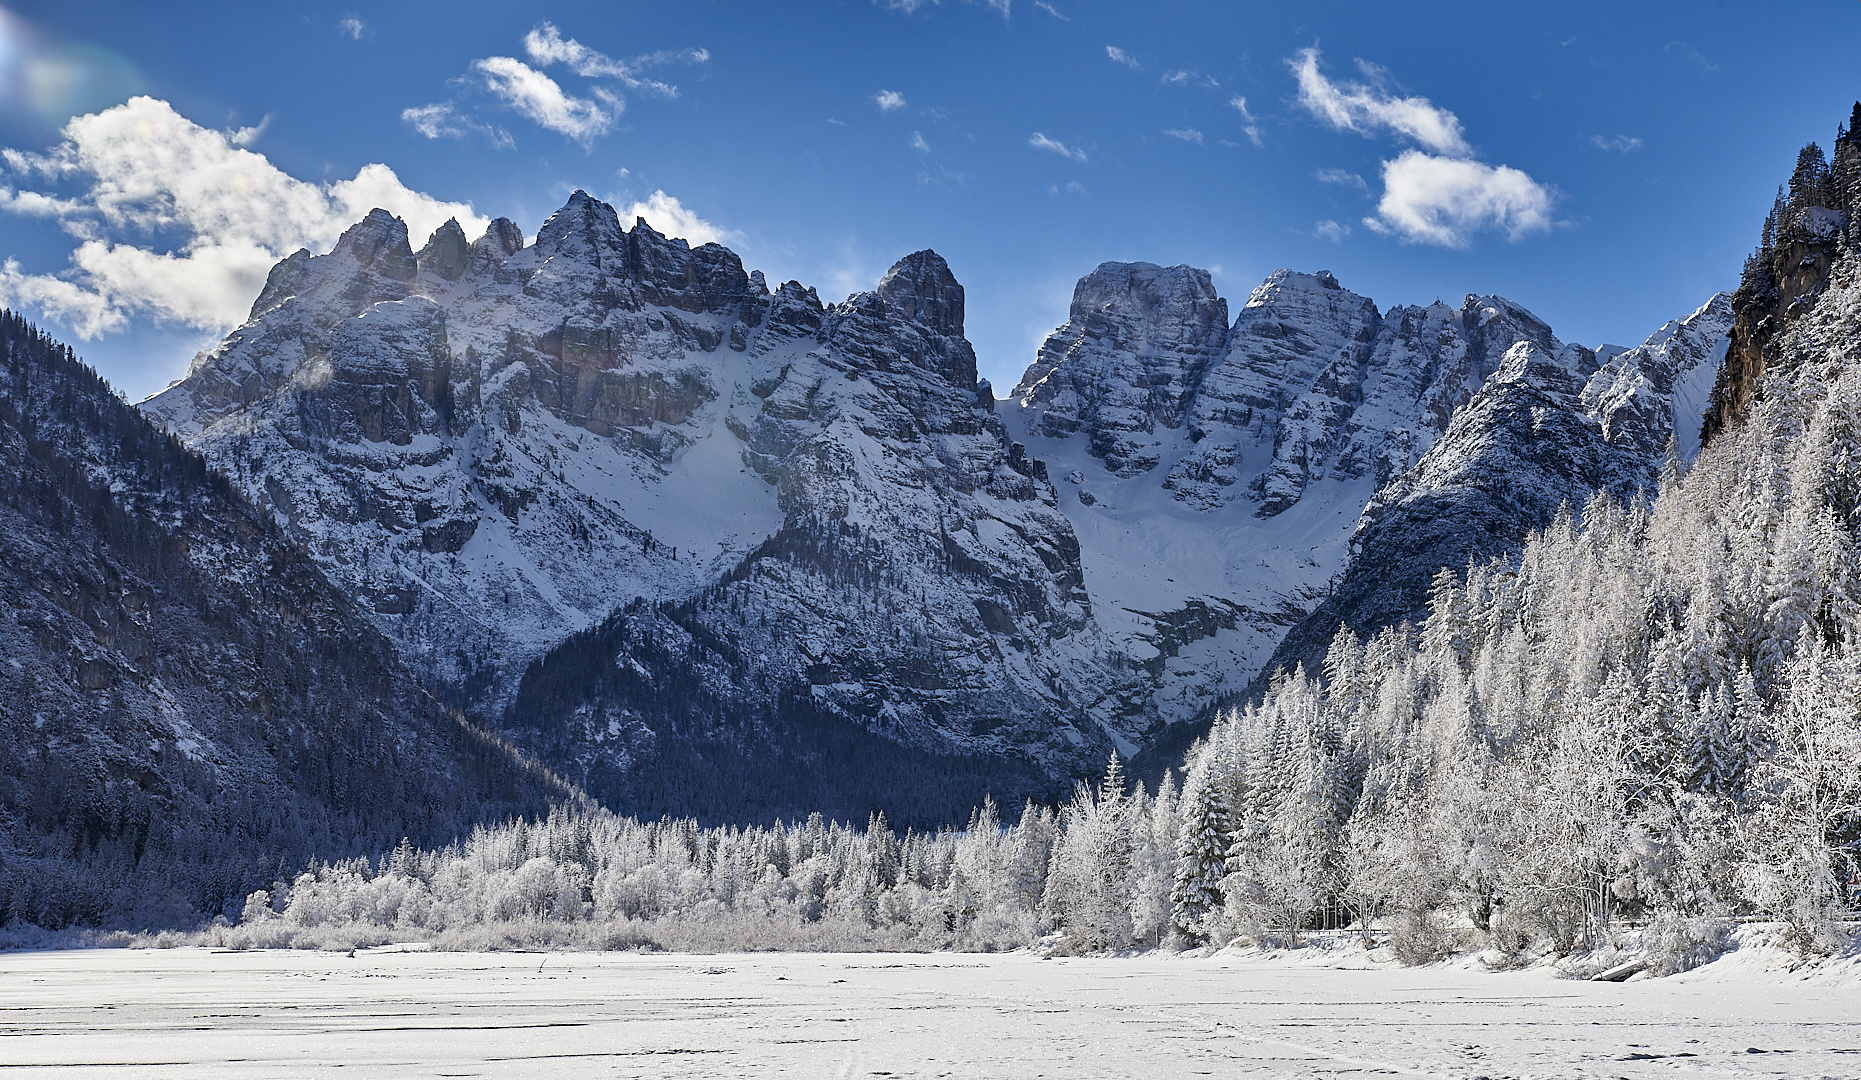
[{"x": 199, "y": 1013}]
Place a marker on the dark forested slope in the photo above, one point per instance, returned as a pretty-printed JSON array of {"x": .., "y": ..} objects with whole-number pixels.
[{"x": 187, "y": 707}]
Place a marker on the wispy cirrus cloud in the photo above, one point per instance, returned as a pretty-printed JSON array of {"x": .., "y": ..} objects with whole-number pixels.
[
  {"x": 1366, "y": 109},
  {"x": 1249, "y": 124},
  {"x": 1041, "y": 142},
  {"x": 1621, "y": 144},
  {"x": 524, "y": 87},
  {"x": 1119, "y": 56},
  {"x": 1437, "y": 194},
  {"x": 1343, "y": 178},
  {"x": 1188, "y": 135},
  {"x": 540, "y": 98},
  {"x": 911, "y": 7},
  {"x": 1690, "y": 55}
]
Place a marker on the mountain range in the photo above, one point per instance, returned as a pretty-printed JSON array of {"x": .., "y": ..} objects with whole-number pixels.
[{"x": 698, "y": 543}]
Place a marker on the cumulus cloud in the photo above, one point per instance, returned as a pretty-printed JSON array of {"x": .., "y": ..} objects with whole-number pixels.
[
  {"x": 1041, "y": 142},
  {"x": 1351, "y": 106},
  {"x": 1119, "y": 56},
  {"x": 669, "y": 216},
  {"x": 178, "y": 222},
  {"x": 1332, "y": 231},
  {"x": 1621, "y": 144},
  {"x": 1436, "y": 195},
  {"x": 1185, "y": 134},
  {"x": 352, "y": 27},
  {"x": 889, "y": 100},
  {"x": 1439, "y": 200},
  {"x": 543, "y": 100}
]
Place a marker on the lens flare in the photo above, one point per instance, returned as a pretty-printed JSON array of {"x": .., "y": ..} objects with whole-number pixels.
[
  {"x": 51, "y": 81},
  {"x": 72, "y": 80}
]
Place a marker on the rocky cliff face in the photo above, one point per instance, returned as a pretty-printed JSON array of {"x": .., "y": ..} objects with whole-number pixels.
[
  {"x": 188, "y": 707},
  {"x": 1782, "y": 280},
  {"x": 798, "y": 508}
]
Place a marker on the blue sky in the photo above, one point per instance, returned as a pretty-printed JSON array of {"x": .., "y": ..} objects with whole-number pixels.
[{"x": 1607, "y": 165}]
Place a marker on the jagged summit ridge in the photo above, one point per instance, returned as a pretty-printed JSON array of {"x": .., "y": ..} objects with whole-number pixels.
[
  {"x": 496, "y": 446},
  {"x": 1217, "y": 475}
]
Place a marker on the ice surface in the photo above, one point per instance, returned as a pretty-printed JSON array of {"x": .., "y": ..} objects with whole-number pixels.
[{"x": 196, "y": 1013}]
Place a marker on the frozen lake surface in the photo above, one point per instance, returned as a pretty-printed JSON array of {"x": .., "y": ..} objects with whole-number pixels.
[{"x": 195, "y": 1013}]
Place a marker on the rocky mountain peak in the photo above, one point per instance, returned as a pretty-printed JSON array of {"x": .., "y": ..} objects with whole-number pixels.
[
  {"x": 378, "y": 243},
  {"x": 921, "y": 287},
  {"x": 447, "y": 254},
  {"x": 585, "y": 230},
  {"x": 502, "y": 236},
  {"x": 1133, "y": 350},
  {"x": 708, "y": 278},
  {"x": 283, "y": 282}
]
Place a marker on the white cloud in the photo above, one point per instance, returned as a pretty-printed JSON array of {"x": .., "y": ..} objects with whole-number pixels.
[
  {"x": 540, "y": 98},
  {"x": 442, "y": 121},
  {"x": 1350, "y": 106},
  {"x": 1342, "y": 178},
  {"x": 1690, "y": 55},
  {"x": 1332, "y": 231},
  {"x": 353, "y": 27},
  {"x": 1051, "y": 10},
  {"x": 669, "y": 216},
  {"x": 546, "y": 45},
  {"x": 1621, "y": 144},
  {"x": 1440, "y": 200},
  {"x": 1119, "y": 56},
  {"x": 1041, "y": 142},
  {"x": 889, "y": 100},
  {"x": 918, "y": 143},
  {"x": 178, "y": 222},
  {"x": 1185, "y": 134},
  {"x": 1251, "y": 126}
]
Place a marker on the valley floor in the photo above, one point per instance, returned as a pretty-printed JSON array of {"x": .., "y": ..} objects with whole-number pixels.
[{"x": 201, "y": 1013}]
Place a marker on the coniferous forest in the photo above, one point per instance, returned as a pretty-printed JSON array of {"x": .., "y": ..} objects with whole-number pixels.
[{"x": 1647, "y": 717}]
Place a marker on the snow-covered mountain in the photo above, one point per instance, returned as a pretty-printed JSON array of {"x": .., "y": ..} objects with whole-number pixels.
[
  {"x": 660, "y": 521},
  {"x": 1216, "y": 476},
  {"x": 498, "y": 445}
]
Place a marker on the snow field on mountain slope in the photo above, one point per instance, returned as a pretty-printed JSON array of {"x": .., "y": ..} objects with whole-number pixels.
[{"x": 195, "y": 1013}]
